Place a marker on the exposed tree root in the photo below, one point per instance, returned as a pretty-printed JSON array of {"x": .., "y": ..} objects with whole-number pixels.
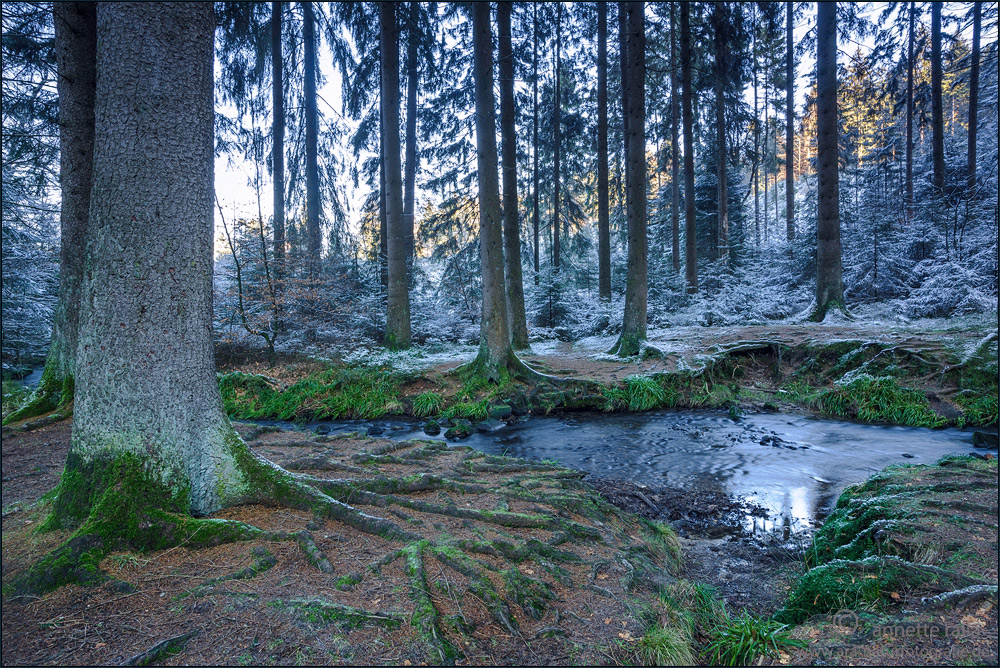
[
  {"x": 160, "y": 650},
  {"x": 532, "y": 527}
]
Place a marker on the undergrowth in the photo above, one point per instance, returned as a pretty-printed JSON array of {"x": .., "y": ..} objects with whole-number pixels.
[
  {"x": 332, "y": 394},
  {"x": 740, "y": 640}
]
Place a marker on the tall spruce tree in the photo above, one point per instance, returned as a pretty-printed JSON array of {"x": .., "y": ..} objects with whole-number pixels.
[
  {"x": 76, "y": 49},
  {"x": 511, "y": 218},
  {"x": 829, "y": 282},
  {"x": 633, "y": 333},
  {"x": 397, "y": 328}
]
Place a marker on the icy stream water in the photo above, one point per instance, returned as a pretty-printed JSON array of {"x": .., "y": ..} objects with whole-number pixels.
[{"x": 794, "y": 466}]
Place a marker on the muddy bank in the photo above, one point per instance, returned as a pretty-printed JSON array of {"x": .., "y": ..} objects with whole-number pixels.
[{"x": 748, "y": 569}]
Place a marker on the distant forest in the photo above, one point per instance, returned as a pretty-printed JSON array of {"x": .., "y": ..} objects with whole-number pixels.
[{"x": 652, "y": 168}]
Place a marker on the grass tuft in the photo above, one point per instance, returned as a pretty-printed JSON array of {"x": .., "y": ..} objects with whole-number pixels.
[
  {"x": 742, "y": 639},
  {"x": 427, "y": 404}
]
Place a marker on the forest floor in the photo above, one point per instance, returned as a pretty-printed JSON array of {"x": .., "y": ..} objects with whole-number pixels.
[
  {"x": 579, "y": 581},
  {"x": 591, "y": 598}
]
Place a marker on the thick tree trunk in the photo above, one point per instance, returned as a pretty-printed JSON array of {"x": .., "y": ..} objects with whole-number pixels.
[
  {"x": 829, "y": 288},
  {"x": 977, "y": 21},
  {"x": 397, "y": 321},
  {"x": 495, "y": 353},
  {"x": 314, "y": 240},
  {"x": 634, "y": 323},
  {"x": 76, "y": 58},
  {"x": 410, "y": 174},
  {"x": 722, "y": 155},
  {"x": 675, "y": 186},
  {"x": 937, "y": 105},
  {"x": 603, "y": 223},
  {"x": 690, "y": 231},
  {"x": 511, "y": 225},
  {"x": 535, "y": 209},
  {"x": 278, "y": 135},
  {"x": 789, "y": 123},
  {"x": 909, "y": 115},
  {"x": 556, "y": 140},
  {"x": 147, "y": 402}
]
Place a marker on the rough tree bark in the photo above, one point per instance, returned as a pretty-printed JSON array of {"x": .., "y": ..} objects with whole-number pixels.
[
  {"x": 397, "y": 322},
  {"x": 977, "y": 21},
  {"x": 556, "y": 140},
  {"x": 495, "y": 352},
  {"x": 535, "y": 209},
  {"x": 76, "y": 48},
  {"x": 278, "y": 135},
  {"x": 314, "y": 241},
  {"x": 719, "y": 25},
  {"x": 634, "y": 322},
  {"x": 511, "y": 225},
  {"x": 909, "y": 115},
  {"x": 410, "y": 174},
  {"x": 603, "y": 223},
  {"x": 690, "y": 231},
  {"x": 937, "y": 104},
  {"x": 789, "y": 123},
  {"x": 675, "y": 186},
  {"x": 829, "y": 287}
]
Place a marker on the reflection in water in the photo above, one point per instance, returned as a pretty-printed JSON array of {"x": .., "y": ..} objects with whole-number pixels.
[{"x": 794, "y": 466}]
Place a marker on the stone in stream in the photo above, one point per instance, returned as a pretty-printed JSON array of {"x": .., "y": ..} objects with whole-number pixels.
[
  {"x": 460, "y": 429},
  {"x": 432, "y": 428},
  {"x": 376, "y": 430},
  {"x": 500, "y": 412},
  {"x": 984, "y": 439},
  {"x": 323, "y": 429},
  {"x": 490, "y": 424}
]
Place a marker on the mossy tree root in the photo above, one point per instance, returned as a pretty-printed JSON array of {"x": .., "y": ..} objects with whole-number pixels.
[
  {"x": 425, "y": 615},
  {"x": 53, "y": 392}
]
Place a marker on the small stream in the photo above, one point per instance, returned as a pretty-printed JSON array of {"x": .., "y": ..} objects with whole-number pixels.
[{"x": 794, "y": 466}]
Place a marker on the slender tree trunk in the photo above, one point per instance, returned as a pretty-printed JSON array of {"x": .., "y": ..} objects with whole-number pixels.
[
  {"x": 719, "y": 16},
  {"x": 937, "y": 104},
  {"x": 534, "y": 140},
  {"x": 383, "y": 221},
  {"x": 634, "y": 323},
  {"x": 511, "y": 226},
  {"x": 829, "y": 287},
  {"x": 495, "y": 353},
  {"x": 147, "y": 402},
  {"x": 977, "y": 21},
  {"x": 556, "y": 140},
  {"x": 789, "y": 123},
  {"x": 312, "y": 138},
  {"x": 278, "y": 136},
  {"x": 690, "y": 231},
  {"x": 622, "y": 67},
  {"x": 909, "y": 115},
  {"x": 76, "y": 62},
  {"x": 756, "y": 147},
  {"x": 410, "y": 175},
  {"x": 603, "y": 223},
  {"x": 675, "y": 186},
  {"x": 397, "y": 322}
]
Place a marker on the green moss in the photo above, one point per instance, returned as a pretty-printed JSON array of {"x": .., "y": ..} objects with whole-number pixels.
[
  {"x": 346, "y": 618},
  {"x": 532, "y": 595},
  {"x": 859, "y": 585},
  {"x": 53, "y": 392}
]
